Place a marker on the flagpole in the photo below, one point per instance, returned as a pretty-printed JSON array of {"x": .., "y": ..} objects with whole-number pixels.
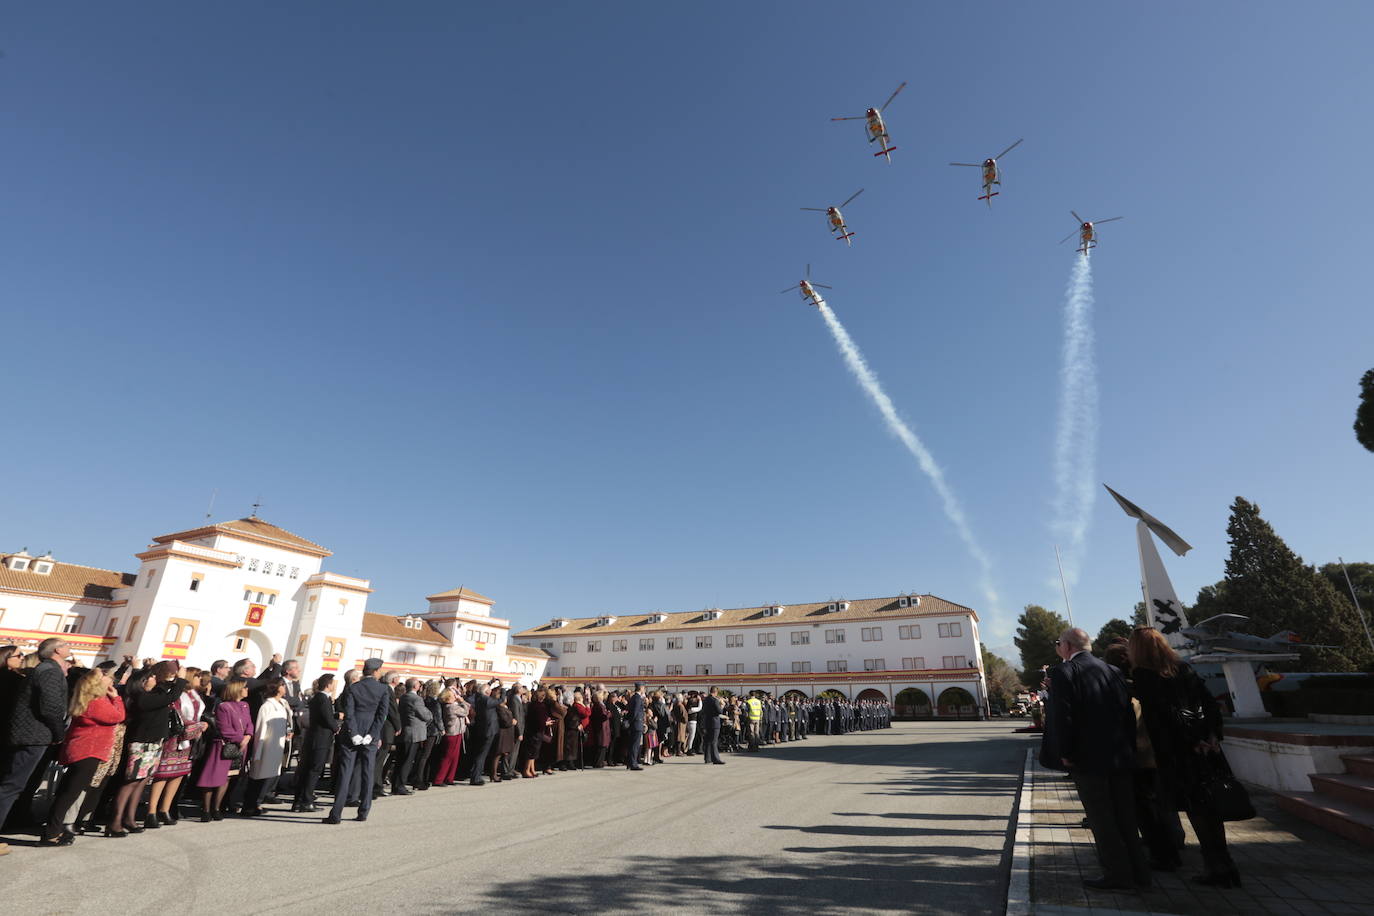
[
  {"x": 1355, "y": 599},
  {"x": 1063, "y": 584}
]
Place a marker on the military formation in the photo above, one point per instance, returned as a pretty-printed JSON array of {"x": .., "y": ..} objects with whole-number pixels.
[{"x": 766, "y": 720}]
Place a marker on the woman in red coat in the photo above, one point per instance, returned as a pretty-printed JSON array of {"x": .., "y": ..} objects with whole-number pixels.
[{"x": 96, "y": 708}]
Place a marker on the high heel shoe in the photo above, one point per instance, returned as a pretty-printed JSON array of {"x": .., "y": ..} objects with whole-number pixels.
[
  {"x": 110, "y": 831},
  {"x": 167, "y": 818},
  {"x": 150, "y": 822}
]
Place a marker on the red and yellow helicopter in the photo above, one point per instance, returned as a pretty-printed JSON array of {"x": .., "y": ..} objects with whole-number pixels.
[
  {"x": 808, "y": 289},
  {"x": 876, "y": 126},
  {"x": 836, "y": 219},
  {"x": 1087, "y": 235},
  {"x": 991, "y": 174}
]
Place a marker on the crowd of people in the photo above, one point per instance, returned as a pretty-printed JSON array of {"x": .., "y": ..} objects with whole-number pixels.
[
  {"x": 126, "y": 748},
  {"x": 1140, "y": 735}
]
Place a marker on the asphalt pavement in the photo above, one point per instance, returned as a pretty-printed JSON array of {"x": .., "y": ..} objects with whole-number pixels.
[{"x": 908, "y": 819}]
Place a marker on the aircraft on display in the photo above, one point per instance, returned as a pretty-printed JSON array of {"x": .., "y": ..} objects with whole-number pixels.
[
  {"x": 836, "y": 218},
  {"x": 992, "y": 175},
  {"x": 876, "y": 126},
  {"x": 1215, "y": 634},
  {"x": 808, "y": 289},
  {"x": 1087, "y": 236}
]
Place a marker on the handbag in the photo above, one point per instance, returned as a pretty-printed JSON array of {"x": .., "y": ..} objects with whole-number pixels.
[
  {"x": 231, "y": 751},
  {"x": 1221, "y": 793}
]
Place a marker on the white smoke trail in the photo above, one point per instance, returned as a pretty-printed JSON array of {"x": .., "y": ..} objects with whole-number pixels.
[
  {"x": 953, "y": 510},
  {"x": 1075, "y": 441}
]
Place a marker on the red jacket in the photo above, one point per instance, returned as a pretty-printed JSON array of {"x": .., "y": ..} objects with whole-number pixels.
[{"x": 92, "y": 734}]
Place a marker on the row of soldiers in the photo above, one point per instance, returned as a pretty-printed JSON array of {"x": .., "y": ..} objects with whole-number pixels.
[{"x": 767, "y": 720}]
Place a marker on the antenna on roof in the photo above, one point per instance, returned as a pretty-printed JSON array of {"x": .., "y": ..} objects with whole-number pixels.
[
  {"x": 209, "y": 512},
  {"x": 256, "y": 506}
]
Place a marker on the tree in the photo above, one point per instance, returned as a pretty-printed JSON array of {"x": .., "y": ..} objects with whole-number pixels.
[
  {"x": 1361, "y": 576},
  {"x": 1269, "y": 583},
  {"x": 1110, "y": 630},
  {"x": 1138, "y": 618},
  {"x": 1003, "y": 682},
  {"x": 1037, "y": 632},
  {"x": 1364, "y": 414}
]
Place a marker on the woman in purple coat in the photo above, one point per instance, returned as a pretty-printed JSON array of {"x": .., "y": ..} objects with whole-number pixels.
[{"x": 234, "y": 723}]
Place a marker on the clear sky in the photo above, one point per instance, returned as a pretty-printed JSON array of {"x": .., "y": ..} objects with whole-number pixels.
[{"x": 487, "y": 294}]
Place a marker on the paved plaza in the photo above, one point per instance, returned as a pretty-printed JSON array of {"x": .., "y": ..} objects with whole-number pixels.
[{"x": 909, "y": 819}]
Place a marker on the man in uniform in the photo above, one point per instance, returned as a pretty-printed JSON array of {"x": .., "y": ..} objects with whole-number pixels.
[
  {"x": 365, "y": 708},
  {"x": 636, "y": 727},
  {"x": 753, "y": 709}
]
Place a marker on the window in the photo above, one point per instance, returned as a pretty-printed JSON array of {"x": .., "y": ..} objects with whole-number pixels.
[
  {"x": 295, "y": 570},
  {"x": 913, "y": 664},
  {"x": 570, "y": 646},
  {"x": 734, "y": 640},
  {"x": 594, "y": 671},
  {"x": 281, "y": 569},
  {"x": 51, "y": 623},
  {"x": 343, "y": 606},
  {"x": 112, "y": 626},
  {"x": 646, "y": 670},
  {"x": 734, "y": 668},
  {"x": 240, "y": 641},
  {"x": 872, "y": 634},
  {"x": 267, "y": 569},
  {"x": 405, "y": 657},
  {"x": 310, "y": 605},
  {"x": 470, "y": 664},
  {"x": 568, "y": 671},
  {"x": 951, "y": 629},
  {"x": 173, "y": 632},
  {"x": 73, "y": 624},
  {"x": 593, "y": 645},
  {"x": 768, "y": 667},
  {"x": 704, "y": 642},
  {"x": 247, "y": 594},
  {"x": 768, "y": 639},
  {"x": 674, "y": 642},
  {"x": 271, "y": 598},
  {"x": 673, "y": 669},
  {"x": 195, "y": 581},
  {"x": 148, "y": 583},
  {"x": 42, "y": 568},
  {"x": 18, "y": 565},
  {"x": 618, "y": 671},
  {"x": 955, "y": 661},
  {"x": 260, "y": 598},
  {"x": 436, "y": 661},
  {"x": 302, "y": 643},
  {"x": 373, "y": 653},
  {"x": 339, "y": 647},
  {"x": 619, "y": 645},
  {"x": 801, "y": 638},
  {"x": 253, "y": 564},
  {"x": 703, "y": 669},
  {"x": 546, "y": 646},
  {"x": 133, "y": 627},
  {"x": 840, "y": 665},
  {"x": 911, "y": 632},
  {"x": 801, "y": 667},
  {"x": 875, "y": 664},
  {"x": 646, "y": 645},
  {"x": 834, "y": 635},
  {"x": 486, "y": 666}
]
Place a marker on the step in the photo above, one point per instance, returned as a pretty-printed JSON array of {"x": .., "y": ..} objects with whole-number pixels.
[
  {"x": 1359, "y": 765},
  {"x": 1354, "y": 822},
  {"x": 1358, "y": 790}
]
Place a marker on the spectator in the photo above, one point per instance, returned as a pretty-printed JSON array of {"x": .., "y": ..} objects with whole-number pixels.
[
  {"x": 322, "y": 725},
  {"x": 37, "y": 720},
  {"x": 96, "y": 708},
  {"x": 233, "y": 729},
  {"x": 178, "y": 753},
  {"x": 151, "y": 692},
  {"x": 271, "y": 730},
  {"x": 455, "y": 726}
]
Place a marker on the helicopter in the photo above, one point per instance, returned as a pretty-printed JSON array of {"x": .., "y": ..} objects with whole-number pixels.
[
  {"x": 876, "y": 126},
  {"x": 1087, "y": 237},
  {"x": 991, "y": 174},
  {"x": 836, "y": 218},
  {"x": 808, "y": 289}
]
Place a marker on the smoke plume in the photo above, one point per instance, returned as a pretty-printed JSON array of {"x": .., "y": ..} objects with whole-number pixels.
[{"x": 1075, "y": 441}]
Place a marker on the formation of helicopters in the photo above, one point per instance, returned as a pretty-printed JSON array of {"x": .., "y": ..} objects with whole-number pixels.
[{"x": 875, "y": 127}]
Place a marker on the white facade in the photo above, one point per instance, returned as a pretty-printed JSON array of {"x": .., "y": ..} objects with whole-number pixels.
[{"x": 878, "y": 644}]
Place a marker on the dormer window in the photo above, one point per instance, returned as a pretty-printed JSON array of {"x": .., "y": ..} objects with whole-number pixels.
[
  {"x": 42, "y": 567},
  {"x": 558, "y": 622},
  {"x": 19, "y": 562},
  {"x": 774, "y": 611},
  {"x": 909, "y": 601},
  {"x": 712, "y": 614},
  {"x": 841, "y": 606},
  {"x": 605, "y": 621},
  {"x": 657, "y": 618}
]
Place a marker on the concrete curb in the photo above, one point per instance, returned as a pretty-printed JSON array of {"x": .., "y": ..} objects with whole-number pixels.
[{"x": 1019, "y": 886}]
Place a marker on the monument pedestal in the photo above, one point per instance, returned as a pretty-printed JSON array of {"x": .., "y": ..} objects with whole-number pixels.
[{"x": 1239, "y": 668}]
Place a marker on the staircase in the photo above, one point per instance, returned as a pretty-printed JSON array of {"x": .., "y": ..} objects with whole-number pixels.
[{"x": 1342, "y": 803}]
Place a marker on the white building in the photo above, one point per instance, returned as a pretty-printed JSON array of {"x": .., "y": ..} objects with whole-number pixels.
[
  {"x": 917, "y": 651},
  {"x": 248, "y": 589}
]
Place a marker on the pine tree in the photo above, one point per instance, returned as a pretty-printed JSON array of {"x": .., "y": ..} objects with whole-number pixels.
[
  {"x": 1110, "y": 630},
  {"x": 1364, "y": 414},
  {"x": 1037, "y": 632},
  {"x": 1270, "y": 584}
]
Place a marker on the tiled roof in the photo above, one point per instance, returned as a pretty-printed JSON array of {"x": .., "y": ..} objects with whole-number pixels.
[
  {"x": 466, "y": 594},
  {"x": 65, "y": 579},
  {"x": 813, "y": 612},
  {"x": 253, "y": 527},
  {"x": 527, "y": 651},
  {"x": 390, "y": 627}
]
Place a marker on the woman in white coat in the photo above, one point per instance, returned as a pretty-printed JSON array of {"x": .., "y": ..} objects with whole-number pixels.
[{"x": 270, "y": 733}]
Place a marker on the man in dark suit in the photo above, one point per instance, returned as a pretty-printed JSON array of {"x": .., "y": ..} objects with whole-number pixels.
[
  {"x": 415, "y": 719},
  {"x": 515, "y": 702},
  {"x": 37, "y": 721},
  {"x": 709, "y": 725},
  {"x": 391, "y": 730},
  {"x": 484, "y": 727},
  {"x": 365, "y": 709},
  {"x": 1091, "y": 729},
  {"x": 635, "y": 715}
]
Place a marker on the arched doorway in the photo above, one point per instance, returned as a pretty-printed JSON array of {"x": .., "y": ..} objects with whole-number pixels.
[
  {"x": 913, "y": 703},
  {"x": 872, "y": 693},
  {"x": 957, "y": 703},
  {"x": 248, "y": 642}
]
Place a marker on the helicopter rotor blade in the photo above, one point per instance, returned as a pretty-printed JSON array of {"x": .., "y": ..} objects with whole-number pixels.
[
  {"x": 1069, "y": 236},
  {"x": 857, "y": 118},
  {"x": 971, "y": 165},
  {"x": 893, "y": 96},
  {"x": 1098, "y": 222},
  {"x": 822, "y": 286},
  {"x": 808, "y": 271},
  {"x": 817, "y": 209},
  {"x": 1076, "y": 217},
  {"x": 852, "y": 196},
  {"x": 1008, "y": 149},
  {"x": 788, "y": 290}
]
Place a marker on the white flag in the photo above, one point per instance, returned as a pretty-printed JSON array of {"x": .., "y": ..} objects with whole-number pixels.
[{"x": 1162, "y": 608}]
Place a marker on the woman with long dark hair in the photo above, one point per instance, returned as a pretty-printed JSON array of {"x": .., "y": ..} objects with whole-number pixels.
[{"x": 1184, "y": 724}]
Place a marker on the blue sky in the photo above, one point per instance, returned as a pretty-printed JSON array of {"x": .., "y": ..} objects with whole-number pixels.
[{"x": 487, "y": 295}]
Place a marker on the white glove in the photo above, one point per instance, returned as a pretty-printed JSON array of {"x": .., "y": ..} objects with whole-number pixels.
[
  {"x": 367, "y": 739},
  {"x": 357, "y": 740}
]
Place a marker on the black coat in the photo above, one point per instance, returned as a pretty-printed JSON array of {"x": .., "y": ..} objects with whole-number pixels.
[
  {"x": 517, "y": 712},
  {"x": 148, "y": 712},
  {"x": 39, "y": 712},
  {"x": 1091, "y": 721},
  {"x": 324, "y": 723},
  {"x": 635, "y": 714},
  {"x": 365, "y": 709},
  {"x": 1162, "y": 702},
  {"x": 484, "y": 720}
]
